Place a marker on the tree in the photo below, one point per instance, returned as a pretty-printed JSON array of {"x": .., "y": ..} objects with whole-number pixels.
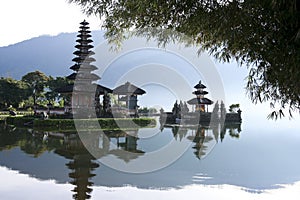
[
  {"x": 106, "y": 105},
  {"x": 12, "y": 92},
  {"x": 152, "y": 111},
  {"x": 53, "y": 84},
  {"x": 264, "y": 35},
  {"x": 233, "y": 108},
  {"x": 143, "y": 110},
  {"x": 36, "y": 82},
  {"x": 176, "y": 110},
  {"x": 147, "y": 111}
]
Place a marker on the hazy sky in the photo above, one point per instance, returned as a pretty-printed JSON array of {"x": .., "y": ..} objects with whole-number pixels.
[{"x": 24, "y": 19}]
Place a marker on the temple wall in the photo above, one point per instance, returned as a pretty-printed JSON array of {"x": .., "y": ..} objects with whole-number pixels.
[{"x": 199, "y": 117}]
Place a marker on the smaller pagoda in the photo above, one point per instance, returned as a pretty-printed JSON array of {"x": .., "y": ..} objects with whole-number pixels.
[{"x": 200, "y": 101}]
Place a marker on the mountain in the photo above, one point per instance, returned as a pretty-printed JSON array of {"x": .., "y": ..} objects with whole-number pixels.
[
  {"x": 143, "y": 66},
  {"x": 50, "y": 54}
]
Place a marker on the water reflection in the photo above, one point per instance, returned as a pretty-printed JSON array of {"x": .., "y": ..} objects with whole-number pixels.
[
  {"x": 113, "y": 142},
  {"x": 124, "y": 145},
  {"x": 64, "y": 158}
]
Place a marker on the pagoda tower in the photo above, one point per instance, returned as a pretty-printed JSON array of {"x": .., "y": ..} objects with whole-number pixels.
[
  {"x": 84, "y": 90},
  {"x": 200, "y": 101}
]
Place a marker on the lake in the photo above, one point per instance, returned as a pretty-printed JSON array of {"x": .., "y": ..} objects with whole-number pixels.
[{"x": 254, "y": 160}]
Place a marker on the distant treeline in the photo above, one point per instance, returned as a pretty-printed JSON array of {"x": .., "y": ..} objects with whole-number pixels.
[{"x": 34, "y": 88}]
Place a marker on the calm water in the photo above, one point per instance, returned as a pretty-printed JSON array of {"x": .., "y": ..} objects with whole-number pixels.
[{"x": 248, "y": 161}]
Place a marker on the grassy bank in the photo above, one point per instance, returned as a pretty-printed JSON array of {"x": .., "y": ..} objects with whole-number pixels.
[
  {"x": 70, "y": 124},
  {"x": 5, "y": 114},
  {"x": 3, "y": 117},
  {"x": 18, "y": 120}
]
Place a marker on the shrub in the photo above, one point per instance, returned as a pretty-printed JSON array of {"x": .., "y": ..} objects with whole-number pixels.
[
  {"x": 104, "y": 123},
  {"x": 19, "y": 121},
  {"x": 68, "y": 124}
]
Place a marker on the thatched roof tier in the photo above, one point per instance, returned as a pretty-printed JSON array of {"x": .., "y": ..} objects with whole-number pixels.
[
  {"x": 84, "y": 35},
  {"x": 83, "y": 76},
  {"x": 84, "y": 41},
  {"x": 84, "y": 23},
  {"x": 72, "y": 76},
  {"x": 196, "y": 101},
  {"x": 77, "y": 67},
  {"x": 128, "y": 89},
  {"x": 84, "y": 46},
  {"x": 198, "y": 92},
  {"x": 84, "y": 31},
  {"x": 83, "y": 59},
  {"x": 84, "y": 27},
  {"x": 82, "y": 53},
  {"x": 100, "y": 89},
  {"x": 199, "y": 86}
]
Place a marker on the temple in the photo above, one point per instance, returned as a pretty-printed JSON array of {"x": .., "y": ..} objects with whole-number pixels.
[
  {"x": 200, "y": 115},
  {"x": 83, "y": 92},
  {"x": 200, "y": 101}
]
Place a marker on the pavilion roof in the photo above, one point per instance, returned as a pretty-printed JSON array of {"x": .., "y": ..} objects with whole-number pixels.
[
  {"x": 128, "y": 89},
  {"x": 200, "y": 101},
  {"x": 102, "y": 89}
]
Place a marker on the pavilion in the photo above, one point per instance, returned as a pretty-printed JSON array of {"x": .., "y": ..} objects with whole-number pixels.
[{"x": 128, "y": 93}]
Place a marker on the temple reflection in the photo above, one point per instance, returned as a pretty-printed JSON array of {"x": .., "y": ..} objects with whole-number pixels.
[
  {"x": 126, "y": 144},
  {"x": 81, "y": 165},
  {"x": 203, "y": 134},
  {"x": 123, "y": 145}
]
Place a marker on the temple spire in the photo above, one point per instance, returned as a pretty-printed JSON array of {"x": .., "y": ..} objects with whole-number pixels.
[{"x": 83, "y": 67}]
